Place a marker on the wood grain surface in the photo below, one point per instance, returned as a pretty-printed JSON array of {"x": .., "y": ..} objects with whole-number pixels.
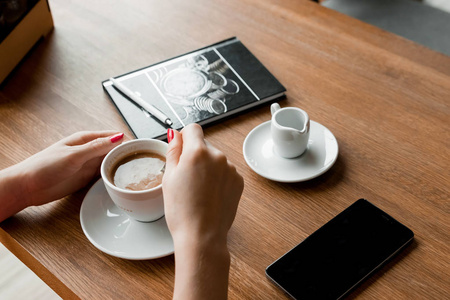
[{"x": 386, "y": 100}]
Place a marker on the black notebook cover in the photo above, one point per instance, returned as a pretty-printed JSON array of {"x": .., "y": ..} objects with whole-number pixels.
[{"x": 201, "y": 87}]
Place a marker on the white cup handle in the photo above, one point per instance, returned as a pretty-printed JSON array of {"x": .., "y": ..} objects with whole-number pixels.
[{"x": 274, "y": 107}]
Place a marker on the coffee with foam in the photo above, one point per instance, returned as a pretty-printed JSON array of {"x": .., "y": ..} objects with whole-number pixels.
[{"x": 138, "y": 171}]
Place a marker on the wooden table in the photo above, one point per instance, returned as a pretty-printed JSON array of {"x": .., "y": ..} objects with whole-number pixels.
[{"x": 385, "y": 99}]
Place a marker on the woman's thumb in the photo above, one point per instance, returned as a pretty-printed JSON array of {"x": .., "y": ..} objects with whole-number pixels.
[{"x": 174, "y": 150}]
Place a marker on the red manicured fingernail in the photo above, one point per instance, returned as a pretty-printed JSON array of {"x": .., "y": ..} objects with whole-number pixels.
[
  {"x": 169, "y": 135},
  {"x": 117, "y": 137}
]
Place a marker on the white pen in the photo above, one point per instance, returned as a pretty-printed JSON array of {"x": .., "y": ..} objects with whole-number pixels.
[{"x": 147, "y": 106}]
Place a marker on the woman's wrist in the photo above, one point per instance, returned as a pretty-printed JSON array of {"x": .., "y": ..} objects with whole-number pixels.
[
  {"x": 191, "y": 246},
  {"x": 201, "y": 268},
  {"x": 199, "y": 236},
  {"x": 190, "y": 243},
  {"x": 13, "y": 190}
]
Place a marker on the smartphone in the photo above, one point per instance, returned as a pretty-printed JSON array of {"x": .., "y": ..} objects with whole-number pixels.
[{"x": 342, "y": 253}]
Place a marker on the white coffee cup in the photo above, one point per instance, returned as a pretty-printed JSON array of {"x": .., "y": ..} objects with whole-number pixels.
[
  {"x": 142, "y": 205},
  {"x": 290, "y": 130}
]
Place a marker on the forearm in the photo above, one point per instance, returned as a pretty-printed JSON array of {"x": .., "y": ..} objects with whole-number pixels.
[
  {"x": 12, "y": 195},
  {"x": 201, "y": 271}
]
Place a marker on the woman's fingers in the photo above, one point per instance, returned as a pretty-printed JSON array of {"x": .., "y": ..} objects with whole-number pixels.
[
  {"x": 193, "y": 137},
  {"x": 83, "y": 137},
  {"x": 98, "y": 145}
]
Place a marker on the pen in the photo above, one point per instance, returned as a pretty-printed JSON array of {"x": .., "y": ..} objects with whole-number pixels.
[{"x": 147, "y": 106}]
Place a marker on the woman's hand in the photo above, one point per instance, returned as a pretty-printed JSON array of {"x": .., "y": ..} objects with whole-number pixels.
[
  {"x": 201, "y": 187},
  {"x": 201, "y": 190},
  {"x": 56, "y": 171}
]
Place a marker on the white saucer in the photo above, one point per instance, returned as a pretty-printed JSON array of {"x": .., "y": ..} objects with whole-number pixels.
[
  {"x": 320, "y": 155},
  {"x": 110, "y": 230}
]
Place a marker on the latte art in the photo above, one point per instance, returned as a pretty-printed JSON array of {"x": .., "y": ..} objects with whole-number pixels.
[{"x": 139, "y": 171}]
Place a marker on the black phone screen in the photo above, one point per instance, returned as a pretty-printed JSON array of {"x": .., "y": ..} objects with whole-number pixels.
[{"x": 340, "y": 254}]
